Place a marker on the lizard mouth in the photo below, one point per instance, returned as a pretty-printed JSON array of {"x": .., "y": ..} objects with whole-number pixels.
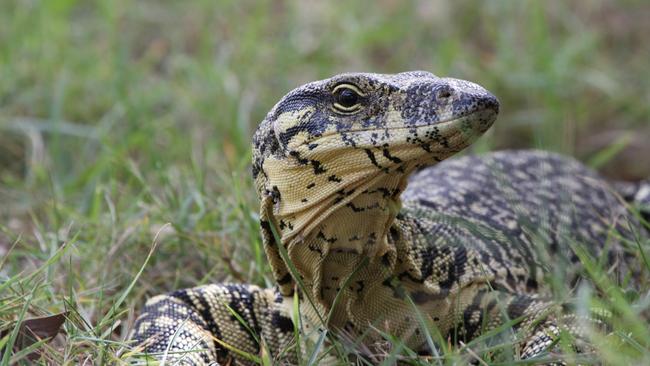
[
  {"x": 468, "y": 127},
  {"x": 482, "y": 118}
]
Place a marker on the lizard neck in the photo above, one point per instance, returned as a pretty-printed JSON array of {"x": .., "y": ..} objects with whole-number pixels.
[
  {"x": 356, "y": 230},
  {"x": 350, "y": 248}
]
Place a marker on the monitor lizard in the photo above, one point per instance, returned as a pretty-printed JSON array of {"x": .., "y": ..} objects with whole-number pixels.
[{"x": 366, "y": 222}]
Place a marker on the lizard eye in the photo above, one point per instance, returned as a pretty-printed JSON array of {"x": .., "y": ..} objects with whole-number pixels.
[{"x": 347, "y": 98}]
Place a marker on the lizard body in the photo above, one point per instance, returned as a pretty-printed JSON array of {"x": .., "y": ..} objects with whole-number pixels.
[{"x": 375, "y": 239}]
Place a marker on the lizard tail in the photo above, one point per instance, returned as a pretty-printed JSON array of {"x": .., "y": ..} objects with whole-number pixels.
[{"x": 636, "y": 194}]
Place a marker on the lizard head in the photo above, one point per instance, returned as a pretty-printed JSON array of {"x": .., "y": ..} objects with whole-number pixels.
[
  {"x": 417, "y": 113},
  {"x": 327, "y": 141}
]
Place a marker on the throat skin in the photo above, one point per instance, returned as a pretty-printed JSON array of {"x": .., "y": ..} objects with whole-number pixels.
[
  {"x": 335, "y": 221},
  {"x": 336, "y": 208},
  {"x": 352, "y": 255},
  {"x": 355, "y": 235},
  {"x": 353, "y": 266},
  {"x": 346, "y": 257}
]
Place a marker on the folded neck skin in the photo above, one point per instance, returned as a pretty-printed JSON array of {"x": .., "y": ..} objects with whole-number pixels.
[
  {"x": 331, "y": 231},
  {"x": 334, "y": 198}
]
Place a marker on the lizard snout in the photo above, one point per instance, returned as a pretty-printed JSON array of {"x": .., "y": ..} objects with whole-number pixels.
[
  {"x": 440, "y": 100},
  {"x": 468, "y": 97}
]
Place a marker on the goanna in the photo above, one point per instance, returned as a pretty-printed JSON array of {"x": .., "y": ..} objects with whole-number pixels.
[{"x": 379, "y": 243}]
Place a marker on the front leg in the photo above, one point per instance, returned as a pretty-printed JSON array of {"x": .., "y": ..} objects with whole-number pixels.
[
  {"x": 536, "y": 323},
  {"x": 198, "y": 326}
]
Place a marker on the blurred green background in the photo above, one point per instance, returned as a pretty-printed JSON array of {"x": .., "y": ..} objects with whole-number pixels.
[{"x": 117, "y": 117}]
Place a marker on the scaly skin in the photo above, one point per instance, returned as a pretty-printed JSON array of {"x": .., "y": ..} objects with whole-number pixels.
[{"x": 464, "y": 244}]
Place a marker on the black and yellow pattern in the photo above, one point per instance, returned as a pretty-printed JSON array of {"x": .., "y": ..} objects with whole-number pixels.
[{"x": 338, "y": 165}]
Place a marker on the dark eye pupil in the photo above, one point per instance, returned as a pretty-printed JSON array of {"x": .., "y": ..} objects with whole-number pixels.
[{"x": 347, "y": 98}]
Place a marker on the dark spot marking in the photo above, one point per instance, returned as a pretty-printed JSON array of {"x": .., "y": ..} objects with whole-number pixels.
[
  {"x": 282, "y": 323},
  {"x": 385, "y": 260},
  {"x": 300, "y": 159},
  {"x": 318, "y": 168},
  {"x": 322, "y": 236},
  {"x": 385, "y": 192},
  {"x": 316, "y": 248},
  {"x": 276, "y": 196},
  {"x": 372, "y": 158},
  {"x": 395, "y": 286},
  {"x": 388, "y": 156},
  {"x": 355, "y": 208},
  {"x": 394, "y": 234},
  {"x": 334, "y": 178}
]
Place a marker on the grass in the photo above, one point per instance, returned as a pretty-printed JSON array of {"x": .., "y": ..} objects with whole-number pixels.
[{"x": 125, "y": 128}]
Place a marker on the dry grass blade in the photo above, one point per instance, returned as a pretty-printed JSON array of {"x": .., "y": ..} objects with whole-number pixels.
[{"x": 35, "y": 330}]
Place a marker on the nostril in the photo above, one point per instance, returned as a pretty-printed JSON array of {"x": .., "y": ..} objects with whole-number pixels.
[
  {"x": 444, "y": 93},
  {"x": 493, "y": 103}
]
